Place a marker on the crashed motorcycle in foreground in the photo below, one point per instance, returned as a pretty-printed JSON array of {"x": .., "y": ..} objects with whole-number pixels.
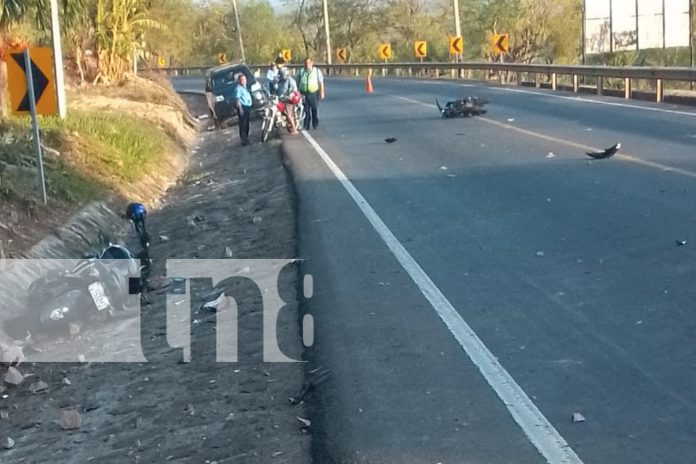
[
  {"x": 103, "y": 286},
  {"x": 463, "y": 108}
]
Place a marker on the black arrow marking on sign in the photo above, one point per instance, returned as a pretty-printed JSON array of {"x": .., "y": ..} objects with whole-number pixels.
[
  {"x": 499, "y": 43},
  {"x": 457, "y": 44},
  {"x": 420, "y": 49},
  {"x": 385, "y": 50},
  {"x": 342, "y": 54},
  {"x": 40, "y": 81}
]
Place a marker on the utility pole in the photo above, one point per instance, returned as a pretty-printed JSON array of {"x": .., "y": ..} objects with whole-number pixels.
[
  {"x": 327, "y": 32},
  {"x": 239, "y": 29},
  {"x": 58, "y": 60},
  {"x": 457, "y": 24}
]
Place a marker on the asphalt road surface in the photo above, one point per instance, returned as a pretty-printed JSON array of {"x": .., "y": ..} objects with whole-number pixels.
[{"x": 480, "y": 280}]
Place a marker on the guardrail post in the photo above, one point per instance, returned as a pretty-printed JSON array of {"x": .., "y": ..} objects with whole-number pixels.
[
  {"x": 357, "y": 72},
  {"x": 659, "y": 91},
  {"x": 600, "y": 85},
  {"x": 627, "y": 88},
  {"x": 537, "y": 80},
  {"x": 410, "y": 72},
  {"x": 384, "y": 71},
  {"x": 576, "y": 83},
  {"x": 554, "y": 81}
]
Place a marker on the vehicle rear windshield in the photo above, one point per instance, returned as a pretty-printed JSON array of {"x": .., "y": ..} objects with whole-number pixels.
[{"x": 229, "y": 77}]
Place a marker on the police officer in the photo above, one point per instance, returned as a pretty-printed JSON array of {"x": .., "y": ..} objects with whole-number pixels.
[
  {"x": 311, "y": 84},
  {"x": 242, "y": 99}
]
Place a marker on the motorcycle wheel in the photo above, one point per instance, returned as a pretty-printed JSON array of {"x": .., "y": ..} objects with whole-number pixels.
[{"x": 266, "y": 127}]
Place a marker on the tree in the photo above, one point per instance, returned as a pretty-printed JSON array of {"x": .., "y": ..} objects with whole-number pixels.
[
  {"x": 11, "y": 12},
  {"x": 120, "y": 26}
]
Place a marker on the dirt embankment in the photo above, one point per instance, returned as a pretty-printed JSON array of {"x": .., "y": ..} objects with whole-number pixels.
[
  {"x": 117, "y": 143},
  {"x": 232, "y": 201}
]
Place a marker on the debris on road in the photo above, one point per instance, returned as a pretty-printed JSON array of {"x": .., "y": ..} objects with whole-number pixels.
[
  {"x": 8, "y": 443},
  {"x": 4, "y": 415},
  {"x": 539, "y": 254},
  {"x": 681, "y": 242},
  {"x": 257, "y": 220},
  {"x": 163, "y": 238},
  {"x": 215, "y": 304},
  {"x": 306, "y": 423},
  {"x": 510, "y": 119},
  {"x": 390, "y": 139},
  {"x": 228, "y": 252},
  {"x": 66, "y": 382},
  {"x": 38, "y": 387},
  {"x": 577, "y": 417},
  {"x": 444, "y": 168},
  {"x": 315, "y": 378},
  {"x": 70, "y": 419},
  {"x": 604, "y": 154},
  {"x": 550, "y": 155},
  {"x": 13, "y": 376}
]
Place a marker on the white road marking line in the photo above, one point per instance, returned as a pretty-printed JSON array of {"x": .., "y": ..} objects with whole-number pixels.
[
  {"x": 623, "y": 156},
  {"x": 538, "y": 429},
  {"x": 566, "y": 97},
  {"x": 595, "y": 102}
]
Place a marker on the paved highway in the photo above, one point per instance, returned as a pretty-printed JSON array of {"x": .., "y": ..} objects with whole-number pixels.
[{"x": 480, "y": 280}]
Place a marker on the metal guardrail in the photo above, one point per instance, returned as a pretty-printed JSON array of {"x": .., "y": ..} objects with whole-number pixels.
[{"x": 629, "y": 73}]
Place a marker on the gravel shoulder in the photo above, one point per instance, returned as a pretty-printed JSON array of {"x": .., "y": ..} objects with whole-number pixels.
[{"x": 166, "y": 410}]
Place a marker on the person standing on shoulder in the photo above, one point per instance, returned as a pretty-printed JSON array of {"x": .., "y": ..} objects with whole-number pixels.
[
  {"x": 288, "y": 94},
  {"x": 272, "y": 76},
  {"x": 242, "y": 99},
  {"x": 311, "y": 83}
]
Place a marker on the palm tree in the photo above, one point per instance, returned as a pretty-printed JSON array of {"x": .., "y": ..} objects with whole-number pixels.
[{"x": 119, "y": 25}]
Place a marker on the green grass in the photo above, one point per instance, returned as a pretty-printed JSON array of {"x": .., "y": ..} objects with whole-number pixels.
[
  {"x": 118, "y": 145},
  {"x": 98, "y": 150}
]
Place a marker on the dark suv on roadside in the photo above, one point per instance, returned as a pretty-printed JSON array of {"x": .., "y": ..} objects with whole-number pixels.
[{"x": 219, "y": 91}]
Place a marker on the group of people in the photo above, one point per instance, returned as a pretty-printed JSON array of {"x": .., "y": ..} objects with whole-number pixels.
[{"x": 307, "y": 84}]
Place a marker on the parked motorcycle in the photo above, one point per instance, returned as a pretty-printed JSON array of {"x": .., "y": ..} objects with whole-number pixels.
[
  {"x": 96, "y": 288},
  {"x": 274, "y": 115}
]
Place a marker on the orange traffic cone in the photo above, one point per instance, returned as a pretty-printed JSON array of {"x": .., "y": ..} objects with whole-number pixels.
[{"x": 368, "y": 84}]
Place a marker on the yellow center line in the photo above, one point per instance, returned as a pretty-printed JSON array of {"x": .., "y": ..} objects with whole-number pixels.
[{"x": 623, "y": 157}]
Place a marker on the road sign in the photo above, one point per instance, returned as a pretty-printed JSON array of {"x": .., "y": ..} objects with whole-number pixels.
[
  {"x": 287, "y": 55},
  {"x": 456, "y": 45},
  {"x": 420, "y": 48},
  {"x": 42, "y": 74},
  {"x": 501, "y": 43},
  {"x": 161, "y": 61},
  {"x": 222, "y": 58},
  {"x": 385, "y": 51},
  {"x": 341, "y": 54}
]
